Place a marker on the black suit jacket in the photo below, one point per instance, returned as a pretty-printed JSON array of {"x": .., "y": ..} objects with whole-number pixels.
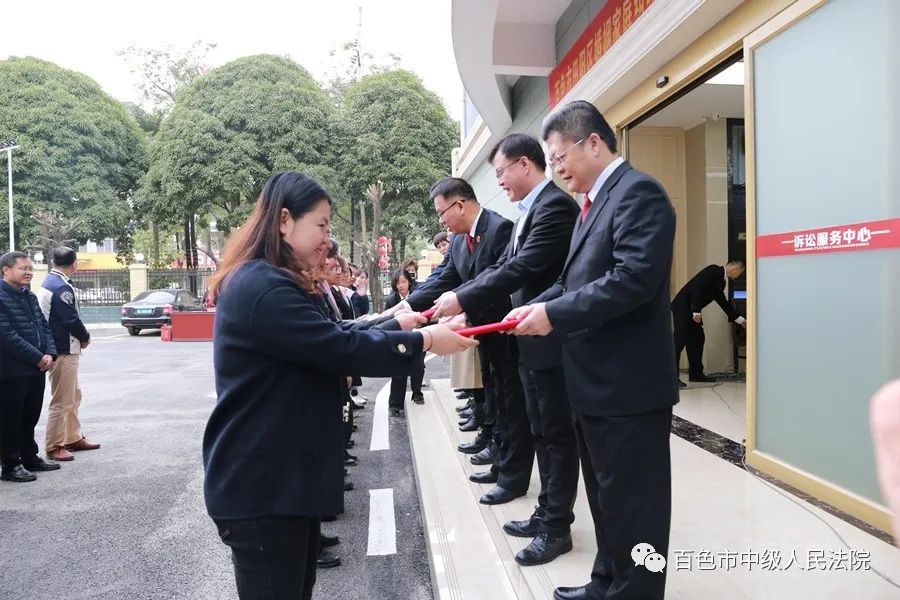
[
  {"x": 526, "y": 272},
  {"x": 703, "y": 288},
  {"x": 492, "y": 234},
  {"x": 611, "y": 302}
]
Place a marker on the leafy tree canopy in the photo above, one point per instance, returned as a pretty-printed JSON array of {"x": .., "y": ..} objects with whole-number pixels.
[{"x": 81, "y": 154}]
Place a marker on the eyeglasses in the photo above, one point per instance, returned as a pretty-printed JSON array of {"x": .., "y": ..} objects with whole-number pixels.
[
  {"x": 559, "y": 159},
  {"x": 499, "y": 172},
  {"x": 441, "y": 213},
  {"x": 25, "y": 269}
]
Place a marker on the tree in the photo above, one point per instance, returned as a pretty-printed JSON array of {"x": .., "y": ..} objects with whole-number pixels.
[
  {"x": 164, "y": 72},
  {"x": 394, "y": 131},
  {"x": 228, "y": 132},
  {"x": 81, "y": 154}
]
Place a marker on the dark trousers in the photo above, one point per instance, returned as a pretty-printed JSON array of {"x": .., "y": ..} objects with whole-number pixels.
[
  {"x": 500, "y": 373},
  {"x": 627, "y": 474},
  {"x": 398, "y": 384},
  {"x": 20, "y": 408},
  {"x": 274, "y": 557},
  {"x": 690, "y": 335},
  {"x": 548, "y": 410}
]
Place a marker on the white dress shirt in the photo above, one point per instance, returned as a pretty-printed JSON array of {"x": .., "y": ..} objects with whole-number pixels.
[{"x": 524, "y": 208}]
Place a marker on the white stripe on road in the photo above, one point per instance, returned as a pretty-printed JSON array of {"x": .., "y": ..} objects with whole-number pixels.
[
  {"x": 380, "y": 438},
  {"x": 382, "y": 527}
]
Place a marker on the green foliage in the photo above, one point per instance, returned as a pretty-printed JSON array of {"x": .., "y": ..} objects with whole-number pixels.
[
  {"x": 81, "y": 153},
  {"x": 228, "y": 132},
  {"x": 395, "y": 131}
]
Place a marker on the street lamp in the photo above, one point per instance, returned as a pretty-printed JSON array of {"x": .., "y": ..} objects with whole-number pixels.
[{"x": 9, "y": 146}]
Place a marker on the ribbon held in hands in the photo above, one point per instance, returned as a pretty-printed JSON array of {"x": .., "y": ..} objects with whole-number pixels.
[
  {"x": 491, "y": 328},
  {"x": 430, "y": 312}
]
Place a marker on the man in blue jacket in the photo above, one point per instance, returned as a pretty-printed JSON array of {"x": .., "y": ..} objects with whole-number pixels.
[
  {"x": 70, "y": 336},
  {"x": 26, "y": 353}
]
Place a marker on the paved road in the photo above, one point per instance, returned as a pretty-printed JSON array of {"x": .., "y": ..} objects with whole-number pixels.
[{"x": 128, "y": 521}]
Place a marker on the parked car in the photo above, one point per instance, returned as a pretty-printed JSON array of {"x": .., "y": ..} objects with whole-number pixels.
[{"x": 153, "y": 309}]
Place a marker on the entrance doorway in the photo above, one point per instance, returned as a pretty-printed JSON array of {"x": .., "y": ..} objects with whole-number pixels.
[{"x": 694, "y": 145}]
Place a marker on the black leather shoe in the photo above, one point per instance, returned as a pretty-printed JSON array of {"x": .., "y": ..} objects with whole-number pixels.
[
  {"x": 703, "y": 379},
  {"x": 543, "y": 549},
  {"x": 484, "y": 477},
  {"x": 528, "y": 528},
  {"x": 39, "y": 464},
  {"x": 348, "y": 485},
  {"x": 571, "y": 593},
  {"x": 327, "y": 560},
  {"x": 464, "y": 395},
  {"x": 486, "y": 456},
  {"x": 466, "y": 413},
  {"x": 418, "y": 398},
  {"x": 350, "y": 443},
  {"x": 327, "y": 541},
  {"x": 18, "y": 473},
  {"x": 498, "y": 495},
  {"x": 681, "y": 384},
  {"x": 477, "y": 445},
  {"x": 350, "y": 461},
  {"x": 470, "y": 425},
  {"x": 397, "y": 412},
  {"x": 465, "y": 406}
]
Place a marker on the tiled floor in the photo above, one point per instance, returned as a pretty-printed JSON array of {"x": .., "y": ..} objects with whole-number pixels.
[
  {"x": 720, "y": 513},
  {"x": 720, "y": 408}
]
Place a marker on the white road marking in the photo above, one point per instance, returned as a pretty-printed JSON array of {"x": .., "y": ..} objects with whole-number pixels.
[
  {"x": 382, "y": 526},
  {"x": 380, "y": 438}
]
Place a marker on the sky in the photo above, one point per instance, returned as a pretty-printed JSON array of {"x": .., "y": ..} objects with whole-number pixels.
[{"x": 85, "y": 35}]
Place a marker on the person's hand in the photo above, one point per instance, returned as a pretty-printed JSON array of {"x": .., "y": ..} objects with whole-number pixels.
[
  {"x": 45, "y": 363},
  {"x": 86, "y": 343},
  {"x": 519, "y": 313},
  {"x": 698, "y": 318},
  {"x": 744, "y": 323},
  {"x": 460, "y": 318},
  {"x": 447, "y": 305},
  {"x": 445, "y": 340},
  {"x": 410, "y": 320},
  {"x": 404, "y": 306},
  {"x": 536, "y": 321},
  {"x": 349, "y": 382}
]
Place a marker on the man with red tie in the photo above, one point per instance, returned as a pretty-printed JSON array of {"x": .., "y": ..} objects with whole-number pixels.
[
  {"x": 610, "y": 308},
  {"x": 481, "y": 239}
]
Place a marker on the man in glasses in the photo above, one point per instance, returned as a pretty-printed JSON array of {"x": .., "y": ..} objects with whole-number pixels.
[
  {"x": 27, "y": 352},
  {"x": 531, "y": 264},
  {"x": 611, "y": 310},
  {"x": 481, "y": 238}
]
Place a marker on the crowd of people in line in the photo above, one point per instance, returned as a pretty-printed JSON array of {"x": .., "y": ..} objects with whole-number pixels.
[{"x": 587, "y": 377}]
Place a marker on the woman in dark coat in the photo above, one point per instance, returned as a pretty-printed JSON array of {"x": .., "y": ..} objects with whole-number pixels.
[
  {"x": 273, "y": 450},
  {"x": 402, "y": 286}
]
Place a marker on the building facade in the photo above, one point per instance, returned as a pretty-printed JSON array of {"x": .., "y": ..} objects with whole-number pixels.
[{"x": 770, "y": 123}]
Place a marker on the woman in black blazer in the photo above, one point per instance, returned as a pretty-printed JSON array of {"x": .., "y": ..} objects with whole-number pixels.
[
  {"x": 402, "y": 285},
  {"x": 273, "y": 450}
]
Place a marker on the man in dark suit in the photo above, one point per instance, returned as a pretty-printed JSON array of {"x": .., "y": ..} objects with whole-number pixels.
[
  {"x": 706, "y": 286},
  {"x": 531, "y": 264},
  {"x": 481, "y": 239},
  {"x": 611, "y": 309}
]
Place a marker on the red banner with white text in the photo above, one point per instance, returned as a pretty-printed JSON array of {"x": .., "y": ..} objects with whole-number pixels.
[
  {"x": 614, "y": 19},
  {"x": 872, "y": 235}
]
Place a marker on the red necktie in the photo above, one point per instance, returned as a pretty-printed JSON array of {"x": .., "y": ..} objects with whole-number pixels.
[
  {"x": 470, "y": 243},
  {"x": 585, "y": 208}
]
